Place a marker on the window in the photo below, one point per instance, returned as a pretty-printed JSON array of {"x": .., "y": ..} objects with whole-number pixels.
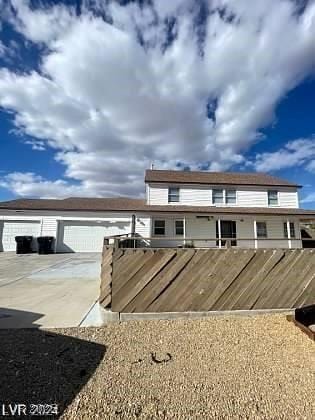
[
  {"x": 292, "y": 230},
  {"x": 159, "y": 227},
  {"x": 230, "y": 197},
  {"x": 217, "y": 196},
  {"x": 173, "y": 195},
  {"x": 179, "y": 227},
  {"x": 261, "y": 229},
  {"x": 272, "y": 198}
]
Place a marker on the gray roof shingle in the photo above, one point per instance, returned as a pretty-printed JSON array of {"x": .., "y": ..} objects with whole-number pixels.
[{"x": 224, "y": 178}]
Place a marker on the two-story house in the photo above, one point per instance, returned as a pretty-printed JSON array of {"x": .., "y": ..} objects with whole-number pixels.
[{"x": 203, "y": 209}]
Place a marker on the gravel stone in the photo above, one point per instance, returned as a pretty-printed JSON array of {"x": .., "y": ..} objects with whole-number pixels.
[
  {"x": 259, "y": 367},
  {"x": 242, "y": 368}
]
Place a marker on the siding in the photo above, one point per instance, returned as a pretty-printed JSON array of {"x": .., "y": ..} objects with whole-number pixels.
[
  {"x": 202, "y": 196},
  {"x": 288, "y": 199}
]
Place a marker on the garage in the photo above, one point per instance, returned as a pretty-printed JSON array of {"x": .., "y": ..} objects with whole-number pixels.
[
  {"x": 87, "y": 236},
  {"x": 12, "y": 228}
]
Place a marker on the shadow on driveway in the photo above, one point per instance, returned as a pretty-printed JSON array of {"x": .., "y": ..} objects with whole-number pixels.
[{"x": 42, "y": 367}]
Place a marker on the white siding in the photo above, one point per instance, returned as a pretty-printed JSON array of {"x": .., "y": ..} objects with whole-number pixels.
[
  {"x": 157, "y": 195},
  {"x": 288, "y": 199},
  {"x": 201, "y": 228},
  {"x": 251, "y": 197},
  {"x": 190, "y": 196},
  {"x": 275, "y": 231},
  {"x": 244, "y": 230},
  {"x": 48, "y": 226},
  {"x": 143, "y": 226},
  {"x": 9, "y": 229},
  {"x": 201, "y": 195}
]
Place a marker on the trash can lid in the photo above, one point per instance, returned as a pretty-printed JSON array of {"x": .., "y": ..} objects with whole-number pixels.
[{"x": 23, "y": 238}]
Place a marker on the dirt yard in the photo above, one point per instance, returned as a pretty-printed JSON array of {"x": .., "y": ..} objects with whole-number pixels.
[{"x": 255, "y": 368}]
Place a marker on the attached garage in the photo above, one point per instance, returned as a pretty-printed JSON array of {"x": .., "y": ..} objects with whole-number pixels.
[
  {"x": 87, "y": 236},
  {"x": 12, "y": 228}
]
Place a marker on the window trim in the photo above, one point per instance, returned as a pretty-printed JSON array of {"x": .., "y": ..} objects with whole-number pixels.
[
  {"x": 266, "y": 229},
  {"x": 226, "y": 195},
  {"x": 170, "y": 195},
  {"x": 182, "y": 221},
  {"x": 285, "y": 230},
  {"x": 268, "y": 198},
  {"x": 223, "y": 196},
  {"x": 154, "y": 227}
]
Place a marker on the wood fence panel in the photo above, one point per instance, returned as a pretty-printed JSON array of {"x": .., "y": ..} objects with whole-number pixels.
[
  {"x": 173, "y": 280},
  {"x": 143, "y": 276},
  {"x": 158, "y": 284},
  {"x": 243, "y": 280},
  {"x": 255, "y": 287}
]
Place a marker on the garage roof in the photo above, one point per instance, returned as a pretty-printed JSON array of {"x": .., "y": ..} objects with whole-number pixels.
[
  {"x": 138, "y": 205},
  {"x": 225, "y": 178}
]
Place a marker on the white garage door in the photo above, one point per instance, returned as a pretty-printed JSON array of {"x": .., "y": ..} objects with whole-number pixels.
[
  {"x": 11, "y": 229},
  {"x": 87, "y": 236}
]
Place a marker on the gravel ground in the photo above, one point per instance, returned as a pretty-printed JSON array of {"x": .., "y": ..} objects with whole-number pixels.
[{"x": 242, "y": 368}]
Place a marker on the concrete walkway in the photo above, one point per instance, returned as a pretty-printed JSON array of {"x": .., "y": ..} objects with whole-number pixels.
[{"x": 47, "y": 290}]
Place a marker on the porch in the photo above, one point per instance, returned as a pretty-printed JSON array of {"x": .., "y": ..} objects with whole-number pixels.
[{"x": 215, "y": 231}]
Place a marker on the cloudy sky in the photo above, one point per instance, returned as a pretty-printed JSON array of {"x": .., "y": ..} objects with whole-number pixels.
[{"x": 93, "y": 91}]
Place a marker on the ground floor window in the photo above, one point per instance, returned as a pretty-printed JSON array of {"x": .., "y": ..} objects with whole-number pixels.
[
  {"x": 261, "y": 229},
  {"x": 226, "y": 229},
  {"x": 159, "y": 227},
  {"x": 292, "y": 230},
  {"x": 179, "y": 227}
]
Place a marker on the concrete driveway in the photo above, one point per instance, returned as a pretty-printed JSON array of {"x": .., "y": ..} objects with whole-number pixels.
[{"x": 56, "y": 290}]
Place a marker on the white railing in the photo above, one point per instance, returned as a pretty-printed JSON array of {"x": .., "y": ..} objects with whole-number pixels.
[{"x": 132, "y": 241}]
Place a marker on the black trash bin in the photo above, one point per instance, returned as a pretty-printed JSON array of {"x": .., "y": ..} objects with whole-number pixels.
[
  {"x": 45, "y": 244},
  {"x": 23, "y": 244}
]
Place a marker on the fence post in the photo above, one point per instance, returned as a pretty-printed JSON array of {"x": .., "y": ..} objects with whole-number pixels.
[{"x": 116, "y": 243}]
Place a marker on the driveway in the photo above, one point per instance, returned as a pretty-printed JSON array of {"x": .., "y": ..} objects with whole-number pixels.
[{"x": 56, "y": 290}]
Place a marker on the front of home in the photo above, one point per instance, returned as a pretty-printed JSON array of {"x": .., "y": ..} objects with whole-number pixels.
[{"x": 200, "y": 209}]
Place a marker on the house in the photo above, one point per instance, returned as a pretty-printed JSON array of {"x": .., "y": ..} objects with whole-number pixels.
[{"x": 203, "y": 209}]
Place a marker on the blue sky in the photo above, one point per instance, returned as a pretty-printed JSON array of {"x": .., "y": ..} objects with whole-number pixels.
[{"x": 92, "y": 92}]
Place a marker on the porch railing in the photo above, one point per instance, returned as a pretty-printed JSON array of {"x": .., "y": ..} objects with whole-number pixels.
[{"x": 137, "y": 241}]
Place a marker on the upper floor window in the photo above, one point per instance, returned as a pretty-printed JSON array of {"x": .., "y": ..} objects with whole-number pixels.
[
  {"x": 179, "y": 227},
  {"x": 217, "y": 196},
  {"x": 272, "y": 198},
  {"x": 261, "y": 229},
  {"x": 173, "y": 195},
  {"x": 230, "y": 197},
  {"x": 159, "y": 227},
  {"x": 292, "y": 230}
]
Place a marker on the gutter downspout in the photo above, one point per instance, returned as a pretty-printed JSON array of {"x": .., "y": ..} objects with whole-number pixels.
[{"x": 133, "y": 228}]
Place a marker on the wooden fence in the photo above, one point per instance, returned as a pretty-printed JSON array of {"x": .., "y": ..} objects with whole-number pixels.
[{"x": 172, "y": 280}]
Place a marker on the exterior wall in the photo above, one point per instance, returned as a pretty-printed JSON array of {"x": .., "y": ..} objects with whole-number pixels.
[
  {"x": 201, "y": 195},
  {"x": 205, "y": 228},
  {"x": 195, "y": 227},
  {"x": 50, "y": 221}
]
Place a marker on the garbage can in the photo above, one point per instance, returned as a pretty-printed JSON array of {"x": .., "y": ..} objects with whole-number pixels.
[
  {"x": 45, "y": 244},
  {"x": 23, "y": 244}
]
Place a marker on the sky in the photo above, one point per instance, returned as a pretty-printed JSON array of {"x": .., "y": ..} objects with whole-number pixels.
[{"x": 94, "y": 91}]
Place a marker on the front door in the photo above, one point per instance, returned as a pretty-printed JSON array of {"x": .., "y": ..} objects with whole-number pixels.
[{"x": 228, "y": 230}]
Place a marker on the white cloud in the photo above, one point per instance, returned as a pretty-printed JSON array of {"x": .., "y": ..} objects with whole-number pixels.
[
  {"x": 41, "y": 25},
  {"x": 310, "y": 198},
  {"x": 294, "y": 153},
  {"x": 311, "y": 165},
  {"x": 36, "y": 145},
  {"x": 2, "y": 49},
  {"x": 109, "y": 105}
]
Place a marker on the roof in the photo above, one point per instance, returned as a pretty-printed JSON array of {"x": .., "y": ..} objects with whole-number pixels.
[
  {"x": 138, "y": 205},
  {"x": 75, "y": 204},
  {"x": 224, "y": 178}
]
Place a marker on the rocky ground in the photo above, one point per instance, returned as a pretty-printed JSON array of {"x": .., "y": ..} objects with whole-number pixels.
[{"x": 242, "y": 368}]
